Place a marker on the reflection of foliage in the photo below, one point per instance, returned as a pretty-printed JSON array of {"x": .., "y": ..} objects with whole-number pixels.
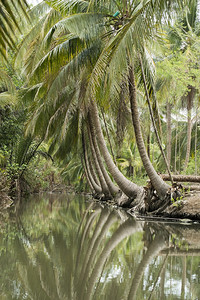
[{"x": 63, "y": 249}]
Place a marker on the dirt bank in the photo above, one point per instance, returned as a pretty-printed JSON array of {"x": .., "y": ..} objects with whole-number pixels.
[{"x": 188, "y": 207}]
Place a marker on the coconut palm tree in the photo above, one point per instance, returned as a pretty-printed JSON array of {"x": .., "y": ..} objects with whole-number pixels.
[
  {"x": 77, "y": 50},
  {"x": 72, "y": 45},
  {"x": 184, "y": 40}
]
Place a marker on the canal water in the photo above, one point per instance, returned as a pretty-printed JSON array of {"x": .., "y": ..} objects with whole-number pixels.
[{"x": 68, "y": 247}]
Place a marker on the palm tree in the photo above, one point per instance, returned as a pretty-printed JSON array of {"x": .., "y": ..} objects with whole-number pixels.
[
  {"x": 63, "y": 107},
  {"x": 184, "y": 40},
  {"x": 107, "y": 62},
  {"x": 9, "y": 22}
]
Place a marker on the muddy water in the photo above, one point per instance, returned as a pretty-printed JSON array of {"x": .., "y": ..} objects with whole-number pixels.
[{"x": 67, "y": 247}]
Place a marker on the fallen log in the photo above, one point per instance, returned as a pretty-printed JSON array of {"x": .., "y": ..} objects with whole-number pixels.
[
  {"x": 191, "y": 187},
  {"x": 181, "y": 178},
  {"x": 180, "y": 252}
]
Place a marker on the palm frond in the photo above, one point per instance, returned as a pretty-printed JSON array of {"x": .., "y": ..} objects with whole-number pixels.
[
  {"x": 6, "y": 82},
  {"x": 69, "y": 6},
  {"x": 7, "y": 99},
  {"x": 9, "y": 12}
]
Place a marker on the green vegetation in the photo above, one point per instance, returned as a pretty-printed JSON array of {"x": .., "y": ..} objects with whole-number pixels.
[{"x": 102, "y": 94}]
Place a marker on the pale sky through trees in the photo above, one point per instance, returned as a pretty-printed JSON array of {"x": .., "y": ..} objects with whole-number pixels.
[{"x": 33, "y": 2}]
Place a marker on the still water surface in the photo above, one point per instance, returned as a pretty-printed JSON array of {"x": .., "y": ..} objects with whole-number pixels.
[{"x": 67, "y": 247}]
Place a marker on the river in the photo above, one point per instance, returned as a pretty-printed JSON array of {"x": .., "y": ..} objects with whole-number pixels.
[{"x": 68, "y": 247}]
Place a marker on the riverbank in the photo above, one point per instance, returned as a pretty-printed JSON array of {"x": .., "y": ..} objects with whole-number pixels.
[{"x": 186, "y": 208}]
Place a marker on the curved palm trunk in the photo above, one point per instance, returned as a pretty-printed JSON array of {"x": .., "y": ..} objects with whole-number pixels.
[
  {"x": 103, "y": 183},
  {"x": 112, "y": 188},
  {"x": 169, "y": 133},
  {"x": 153, "y": 121},
  {"x": 121, "y": 118},
  {"x": 95, "y": 186},
  {"x": 195, "y": 143},
  {"x": 160, "y": 186},
  {"x": 108, "y": 136},
  {"x": 129, "y": 188},
  {"x": 190, "y": 98},
  {"x": 94, "y": 175},
  {"x": 87, "y": 177}
]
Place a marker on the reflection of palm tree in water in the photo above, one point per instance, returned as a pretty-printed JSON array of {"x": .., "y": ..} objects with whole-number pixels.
[
  {"x": 155, "y": 246},
  {"x": 69, "y": 266},
  {"x": 125, "y": 230}
]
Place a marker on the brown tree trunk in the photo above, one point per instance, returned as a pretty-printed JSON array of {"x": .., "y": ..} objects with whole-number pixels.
[
  {"x": 108, "y": 136},
  {"x": 182, "y": 178},
  {"x": 153, "y": 121},
  {"x": 129, "y": 188},
  {"x": 196, "y": 138},
  {"x": 160, "y": 186},
  {"x": 121, "y": 118},
  {"x": 112, "y": 188},
  {"x": 169, "y": 133},
  {"x": 91, "y": 181},
  {"x": 190, "y": 98},
  {"x": 103, "y": 184},
  {"x": 87, "y": 177}
]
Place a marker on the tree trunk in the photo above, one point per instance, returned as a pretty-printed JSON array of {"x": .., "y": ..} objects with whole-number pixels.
[
  {"x": 108, "y": 136},
  {"x": 149, "y": 141},
  {"x": 196, "y": 138},
  {"x": 175, "y": 150},
  {"x": 153, "y": 120},
  {"x": 87, "y": 177},
  {"x": 190, "y": 98},
  {"x": 129, "y": 188},
  {"x": 95, "y": 186},
  {"x": 94, "y": 175},
  {"x": 182, "y": 178},
  {"x": 112, "y": 188},
  {"x": 121, "y": 118},
  {"x": 169, "y": 133},
  {"x": 103, "y": 183},
  {"x": 160, "y": 186}
]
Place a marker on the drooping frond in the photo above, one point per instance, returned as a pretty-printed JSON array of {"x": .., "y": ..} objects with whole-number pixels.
[
  {"x": 69, "y": 6},
  {"x": 86, "y": 26},
  {"x": 58, "y": 57},
  {"x": 71, "y": 137},
  {"x": 33, "y": 41},
  {"x": 115, "y": 54},
  {"x": 6, "y": 82},
  {"x": 134, "y": 31},
  {"x": 10, "y": 11},
  {"x": 73, "y": 68},
  {"x": 7, "y": 99},
  {"x": 38, "y": 11},
  {"x": 8, "y": 94}
]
